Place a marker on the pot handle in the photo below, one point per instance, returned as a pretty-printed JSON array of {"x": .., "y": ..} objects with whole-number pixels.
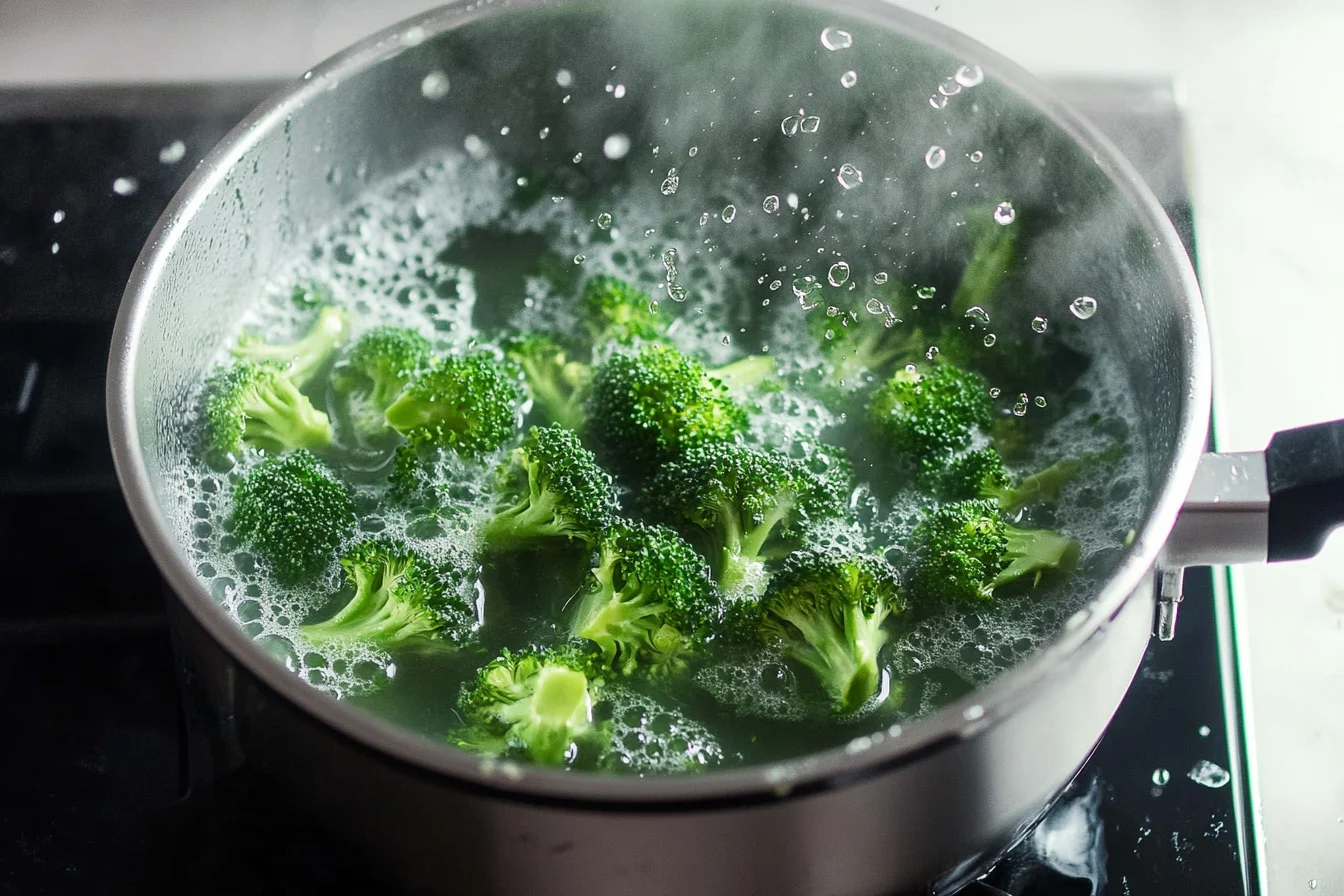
[{"x": 1305, "y": 473}]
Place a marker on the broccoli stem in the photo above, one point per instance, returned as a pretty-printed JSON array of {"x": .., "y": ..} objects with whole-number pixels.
[
  {"x": 1032, "y": 552},
  {"x": 612, "y": 620},
  {"x": 844, "y": 656},
  {"x": 560, "y": 404},
  {"x": 559, "y": 710},
  {"x": 744, "y": 373},
  {"x": 526, "y": 522}
]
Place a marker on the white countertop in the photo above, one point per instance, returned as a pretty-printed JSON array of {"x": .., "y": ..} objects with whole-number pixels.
[{"x": 1265, "y": 113}]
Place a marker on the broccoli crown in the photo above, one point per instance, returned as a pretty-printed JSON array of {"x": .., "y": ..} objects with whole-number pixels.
[
  {"x": 650, "y": 405},
  {"x": 750, "y": 504},
  {"x": 294, "y": 514},
  {"x": 531, "y": 703},
  {"x": 827, "y": 609},
  {"x": 977, "y": 474},
  {"x": 614, "y": 310},
  {"x": 649, "y": 601},
  {"x": 303, "y": 359},
  {"x": 928, "y": 417},
  {"x": 551, "y": 487},
  {"x": 256, "y": 404},
  {"x": 466, "y": 404},
  {"x": 556, "y": 384},
  {"x": 398, "y": 595},
  {"x": 374, "y": 374}
]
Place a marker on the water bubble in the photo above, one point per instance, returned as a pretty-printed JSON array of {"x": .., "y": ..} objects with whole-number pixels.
[
  {"x": 1004, "y": 213},
  {"x": 1020, "y": 406},
  {"x": 619, "y": 91},
  {"x": 57, "y": 216},
  {"x": 836, "y": 39},
  {"x": 978, "y": 314},
  {"x": 676, "y": 292},
  {"x": 704, "y": 219},
  {"x": 670, "y": 258},
  {"x": 653, "y": 306},
  {"x": 789, "y": 126},
  {"x": 173, "y": 153},
  {"x": 726, "y": 340},
  {"x": 875, "y": 306},
  {"x": 670, "y": 183},
  {"x": 880, "y": 278},
  {"x": 976, "y": 157},
  {"x": 1083, "y": 307},
  {"x": 849, "y": 176},
  {"x": 935, "y": 157},
  {"x": 949, "y": 87},
  {"x": 990, "y": 339},
  {"x": 1039, "y": 324},
  {"x": 1161, "y": 777},
  {"x": 1209, "y": 774},
  {"x": 1040, "y": 401},
  {"x": 838, "y": 274},
  {"x": 932, "y": 352},
  {"x": 580, "y": 259},
  {"x": 1205, "y": 731},
  {"x": 938, "y": 101},
  {"x": 849, "y": 79},
  {"x": 604, "y": 221},
  {"x": 578, "y": 157},
  {"x": 1313, "y": 883},
  {"x": 564, "y": 77},
  {"x": 771, "y": 204},
  {"x": 543, "y": 133},
  {"x": 810, "y": 124},
  {"x": 925, "y": 292},
  {"x": 650, "y": 231},
  {"x": 970, "y": 75},
  {"x": 125, "y": 186},
  {"x": 995, "y": 392},
  {"x": 728, "y": 214},
  {"x": 775, "y": 284},
  {"x": 615, "y": 147},
  {"x": 434, "y": 86}
]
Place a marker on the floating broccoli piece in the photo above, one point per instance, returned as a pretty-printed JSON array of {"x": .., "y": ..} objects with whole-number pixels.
[
  {"x": 550, "y": 488},
  {"x": 398, "y": 595},
  {"x": 466, "y": 404},
  {"x": 303, "y": 359},
  {"x": 294, "y": 514},
  {"x": 650, "y": 405},
  {"x": 745, "y": 505},
  {"x": 827, "y": 609},
  {"x": 613, "y": 310},
  {"x": 981, "y": 474},
  {"x": 966, "y": 550},
  {"x": 536, "y": 705},
  {"x": 378, "y": 368},
  {"x": 648, "y": 603},
  {"x": 257, "y": 405},
  {"x": 556, "y": 383},
  {"x": 925, "y": 418}
]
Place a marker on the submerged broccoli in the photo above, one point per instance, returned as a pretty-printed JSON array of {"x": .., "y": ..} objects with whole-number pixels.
[
  {"x": 991, "y": 263},
  {"x": 746, "y": 505},
  {"x": 613, "y": 310},
  {"x": 827, "y": 607},
  {"x": 859, "y": 347},
  {"x": 926, "y": 417},
  {"x": 294, "y": 514},
  {"x": 398, "y": 595},
  {"x": 257, "y": 405},
  {"x": 550, "y": 488},
  {"x": 981, "y": 474},
  {"x": 379, "y": 367},
  {"x": 532, "y": 704},
  {"x": 466, "y": 404},
  {"x": 556, "y": 383},
  {"x": 966, "y": 550},
  {"x": 649, "y": 602},
  {"x": 303, "y": 359}
]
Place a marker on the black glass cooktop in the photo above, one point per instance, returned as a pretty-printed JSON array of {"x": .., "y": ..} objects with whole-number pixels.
[{"x": 100, "y": 788}]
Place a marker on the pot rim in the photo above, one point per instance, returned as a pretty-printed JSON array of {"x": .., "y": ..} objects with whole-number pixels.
[{"x": 829, "y": 769}]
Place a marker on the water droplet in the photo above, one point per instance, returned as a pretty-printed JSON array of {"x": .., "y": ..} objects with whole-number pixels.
[
  {"x": 875, "y": 306},
  {"x": 990, "y": 339},
  {"x": 775, "y": 284},
  {"x": 55, "y": 248},
  {"x": 1205, "y": 731},
  {"x": 57, "y": 216},
  {"x": 726, "y": 340},
  {"x": 1040, "y": 401},
  {"x": 604, "y": 221},
  {"x": 932, "y": 352},
  {"x": 579, "y": 259},
  {"x": 1020, "y": 406},
  {"x": 676, "y": 292},
  {"x": 693, "y": 151},
  {"x": 838, "y": 274},
  {"x": 670, "y": 258},
  {"x": 771, "y": 204},
  {"x": 564, "y": 77},
  {"x": 1083, "y": 307},
  {"x": 474, "y": 146},
  {"x": 849, "y": 176},
  {"x": 970, "y": 75},
  {"x": 849, "y": 79},
  {"x": 173, "y": 153},
  {"x": 1209, "y": 774},
  {"x": 619, "y": 92},
  {"x": 1004, "y": 213},
  {"x": 704, "y": 219},
  {"x": 925, "y": 292},
  {"x": 578, "y": 157},
  {"x": 995, "y": 392},
  {"x": 973, "y": 712},
  {"x": 836, "y": 39},
  {"x": 728, "y": 214},
  {"x": 434, "y": 86},
  {"x": 935, "y": 157},
  {"x": 615, "y": 147},
  {"x": 880, "y": 278},
  {"x": 978, "y": 314},
  {"x": 976, "y": 157},
  {"x": 810, "y": 124},
  {"x": 1161, "y": 777},
  {"x": 1039, "y": 324},
  {"x": 543, "y": 133},
  {"x": 671, "y": 183},
  {"x": 949, "y": 87},
  {"x": 1312, "y": 883},
  {"x": 938, "y": 101},
  {"x": 789, "y": 126},
  {"x": 505, "y": 131},
  {"x": 125, "y": 186},
  {"x": 653, "y": 306}
]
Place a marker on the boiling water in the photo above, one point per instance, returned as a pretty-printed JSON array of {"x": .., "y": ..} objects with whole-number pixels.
[{"x": 447, "y": 252}]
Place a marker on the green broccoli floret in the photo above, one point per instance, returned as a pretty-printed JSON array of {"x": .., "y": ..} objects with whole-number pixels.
[
  {"x": 613, "y": 310},
  {"x": 536, "y": 705},
  {"x": 293, "y": 513},
  {"x": 650, "y": 405},
  {"x": 257, "y": 405},
  {"x": 550, "y": 488},
  {"x": 303, "y": 359},
  {"x": 372, "y": 377},
  {"x": 981, "y": 474},
  {"x": 744, "y": 505},
  {"x": 925, "y": 418},
  {"x": 466, "y": 404},
  {"x": 648, "y": 603},
  {"x": 966, "y": 550},
  {"x": 556, "y": 383},
  {"x": 827, "y": 607},
  {"x": 398, "y": 595}
]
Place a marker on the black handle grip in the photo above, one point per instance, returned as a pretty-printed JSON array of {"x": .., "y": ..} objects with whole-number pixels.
[{"x": 1306, "y": 489}]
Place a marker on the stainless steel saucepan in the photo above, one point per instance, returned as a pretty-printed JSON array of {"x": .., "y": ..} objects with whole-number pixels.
[{"x": 915, "y": 807}]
